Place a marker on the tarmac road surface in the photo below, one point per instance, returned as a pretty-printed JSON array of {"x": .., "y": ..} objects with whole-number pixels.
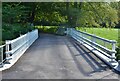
[{"x": 58, "y": 57}]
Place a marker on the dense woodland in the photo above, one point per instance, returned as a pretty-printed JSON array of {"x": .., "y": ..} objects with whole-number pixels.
[{"x": 19, "y": 17}]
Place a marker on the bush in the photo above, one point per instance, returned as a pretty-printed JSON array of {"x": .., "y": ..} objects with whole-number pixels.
[
  {"x": 7, "y": 35},
  {"x": 47, "y": 29},
  {"x": 13, "y": 31}
]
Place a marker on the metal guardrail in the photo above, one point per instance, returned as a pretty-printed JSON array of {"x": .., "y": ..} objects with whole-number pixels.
[
  {"x": 105, "y": 46},
  {"x": 14, "y": 48},
  {"x": 2, "y": 58}
]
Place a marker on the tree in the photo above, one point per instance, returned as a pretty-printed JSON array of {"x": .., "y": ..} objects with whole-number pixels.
[
  {"x": 70, "y": 13},
  {"x": 13, "y": 23},
  {"x": 98, "y": 14}
]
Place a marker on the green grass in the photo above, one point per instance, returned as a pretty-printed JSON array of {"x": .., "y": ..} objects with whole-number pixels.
[{"x": 107, "y": 33}]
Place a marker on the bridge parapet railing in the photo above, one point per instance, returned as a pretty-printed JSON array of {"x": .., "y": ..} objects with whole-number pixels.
[
  {"x": 13, "y": 49},
  {"x": 20, "y": 43},
  {"x": 2, "y": 53},
  {"x": 105, "y": 46}
]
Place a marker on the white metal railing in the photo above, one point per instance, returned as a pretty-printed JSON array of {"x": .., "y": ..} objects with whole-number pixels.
[
  {"x": 16, "y": 47},
  {"x": 2, "y": 47},
  {"x": 105, "y": 46}
]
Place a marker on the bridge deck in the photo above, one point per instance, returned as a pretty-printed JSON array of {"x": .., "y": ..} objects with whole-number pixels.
[{"x": 57, "y": 57}]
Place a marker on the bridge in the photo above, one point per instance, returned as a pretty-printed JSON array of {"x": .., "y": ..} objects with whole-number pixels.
[{"x": 57, "y": 57}]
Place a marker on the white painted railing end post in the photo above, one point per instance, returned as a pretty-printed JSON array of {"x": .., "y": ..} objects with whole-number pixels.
[
  {"x": 67, "y": 31},
  {"x": 113, "y": 51},
  {"x": 7, "y": 42},
  {"x": 1, "y": 50}
]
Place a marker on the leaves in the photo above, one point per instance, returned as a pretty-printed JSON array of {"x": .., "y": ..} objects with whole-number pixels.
[{"x": 52, "y": 13}]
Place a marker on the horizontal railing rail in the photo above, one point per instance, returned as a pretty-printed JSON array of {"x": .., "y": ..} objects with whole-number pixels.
[
  {"x": 13, "y": 49},
  {"x": 17, "y": 44},
  {"x": 106, "y": 40},
  {"x": 105, "y": 46}
]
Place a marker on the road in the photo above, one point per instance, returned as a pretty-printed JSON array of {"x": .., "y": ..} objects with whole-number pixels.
[{"x": 58, "y": 57}]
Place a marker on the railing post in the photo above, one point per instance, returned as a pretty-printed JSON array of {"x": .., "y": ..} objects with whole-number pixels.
[
  {"x": 7, "y": 50},
  {"x": 113, "y": 51},
  {"x": 1, "y": 52},
  {"x": 67, "y": 32},
  {"x": 71, "y": 31},
  {"x": 7, "y": 45}
]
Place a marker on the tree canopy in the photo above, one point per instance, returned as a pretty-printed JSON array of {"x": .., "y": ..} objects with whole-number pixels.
[{"x": 18, "y": 16}]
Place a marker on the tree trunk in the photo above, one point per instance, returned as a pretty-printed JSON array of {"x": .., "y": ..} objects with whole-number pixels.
[
  {"x": 68, "y": 16},
  {"x": 75, "y": 17},
  {"x": 32, "y": 14}
]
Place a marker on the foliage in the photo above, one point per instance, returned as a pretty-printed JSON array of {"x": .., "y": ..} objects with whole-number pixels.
[
  {"x": 13, "y": 23},
  {"x": 52, "y": 13},
  {"x": 18, "y": 16},
  {"x": 47, "y": 29},
  {"x": 98, "y": 14}
]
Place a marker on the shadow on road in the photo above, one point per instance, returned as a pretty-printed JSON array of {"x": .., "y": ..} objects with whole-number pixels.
[
  {"x": 58, "y": 57},
  {"x": 95, "y": 63}
]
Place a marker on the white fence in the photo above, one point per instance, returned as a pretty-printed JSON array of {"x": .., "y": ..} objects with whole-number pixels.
[
  {"x": 15, "y": 48},
  {"x": 1, "y": 55},
  {"x": 103, "y": 48}
]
